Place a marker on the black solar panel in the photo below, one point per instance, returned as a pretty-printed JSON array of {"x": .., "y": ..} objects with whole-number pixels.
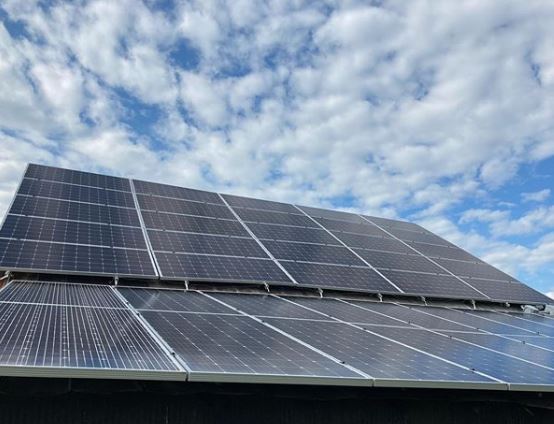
[
  {"x": 251, "y": 215},
  {"x": 164, "y": 204},
  {"x": 511, "y": 292},
  {"x": 372, "y": 243},
  {"x": 338, "y": 277},
  {"x": 165, "y": 190},
  {"x": 434, "y": 251},
  {"x": 365, "y": 229},
  {"x": 58, "y": 190},
  {"x": 54, "y": 230},
  {"x": 206, "y": 244},
  {"x": 192, "y": 224},
  {"x": 77, "y": 177},
  {"x": 332, "y": 214},
  {"x": 421, "y": 237},
  {"x": 432, "y": 285},
  {"x": 246, "y": 202},
  {"x": 394, "y": 224},
  {"x": 71, "y": 258},
  {"x": 312, "y": 253},
  {"x": 216, "y": 347},
  {"x": 399, "y": 261},
  {"x": 474, "y": 270},
  {"x": 285, "y": 233},
  {"x": 219, "y": 268}
]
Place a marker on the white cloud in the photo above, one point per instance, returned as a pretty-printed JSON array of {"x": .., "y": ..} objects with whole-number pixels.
[{"x": 536, "y": 196}]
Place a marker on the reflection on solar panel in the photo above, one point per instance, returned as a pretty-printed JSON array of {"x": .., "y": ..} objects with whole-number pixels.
[
  {"x": 67, "y": 221},
  {"x": 70, "y": 330}
]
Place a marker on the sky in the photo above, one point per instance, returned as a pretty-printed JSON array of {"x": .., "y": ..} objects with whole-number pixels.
[{"x": 441, "y": 113}]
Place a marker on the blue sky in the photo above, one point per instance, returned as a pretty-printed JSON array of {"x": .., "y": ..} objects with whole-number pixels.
[{"x": 435, "y": 112}]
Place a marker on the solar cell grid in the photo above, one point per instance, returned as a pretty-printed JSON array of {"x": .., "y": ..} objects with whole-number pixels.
[
  {"x": 251, "y": 215},
  {"x": 467, "y": 269},
  {"x": 285, "y": 233},
  {"x": 246, "y": 202},
  {"x": 346, "y": 312},
  {"x": 378, "y": 357},
  {"x": 207, "y": 244},
  {"x": 164, "y": 190},
  {"x": 372, "y": 243},
  {"x": 266, "y": 306},
  {"x": 312, "y": 253},
  {"x": 434, "y": 251},
  {"x": 491, "y": 363},
  {"x": 76, "y": 337},
  {"x": 426, "y": 237},
  {"x": 26, "y": 255},
  {"x": 53, "y": 230},
  {"x": 172, "y": 300},
  {"x": 538, "y": 341},
  {"x": 332, "y": 214},
  {"x": 219, "y": 268},
  {"x": 501, "y": 290},
  {"x": 392, "y": 223},
  {"x": 193, "y": 224},
  {"x": 431, "y": 285},
  {"x": 63, "y": 209},
  {"x": 399, "y": 261},
  {"x": 338, "y": 277},
  {"x": 164, "y": 204},
  {"x": 77, "y": 177},
  {"x": 58, "y": 190},
  {"x": 533, "y": 327},
  {"x": 215, "y": 344},
  {"x": 366, "y": 229},
  {"x": 91, "y": 295}
]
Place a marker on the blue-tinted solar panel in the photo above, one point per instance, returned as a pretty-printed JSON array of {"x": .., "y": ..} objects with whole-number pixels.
[
  {"x": 312, "y": 253},
  {"x": 337, "y": 277},
  {"x": 376, "y": 356},
  {"x": 399, "y": 261},
  {"x": 434, "y": 251},
  {"x": 246, "y": 202},
  {"x": 432, "y": 285},
  {"x": 172, "y": 300},
  {"x": 345, "y": 312},
  {"x": 538, "y": 341},
  {"x": 266, "y": 306},
  {"x": 473, "y": 270},
  {"x": 510, "y": 292},
  {"x": 63, "y": 209},
  {"x": 52, "y": 293},
  {"x": 79, "y": 342},
  {"x": 394, "y": 224},
  {"x": 192, "y": 224},
  {"x": 331, "y": 214},
  {"x": 424, "y": 237},
  {"x": 216, "y": 347},
  {"x": 77, "y": 177},
  {"x": 41, "y": 256},
  {"x": 144, "y": 187},
  {"x": 513, "y": 320},
  {"x": 366, "y": 229},
  {"x": 58, "y": 190},
  {"x": 285, "y": 233},
  {"x": 251, "y": 215},
  {"x": 206, "y": 244},
  {"x": 219, "y": 268},
  {"x": 372, "y": 243},
  {"x": 499, "y": 366},
  {"x": 54, "y": 230},
  {"x": 184, "y": 207}
]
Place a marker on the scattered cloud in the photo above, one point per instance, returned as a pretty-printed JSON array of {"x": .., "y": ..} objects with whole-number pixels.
[{"x": 536, "y": 196}]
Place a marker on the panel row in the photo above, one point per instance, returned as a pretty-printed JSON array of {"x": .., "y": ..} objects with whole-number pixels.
[
  {"x": 76, "y": 193},
  {"x": 164, "y": 190}
]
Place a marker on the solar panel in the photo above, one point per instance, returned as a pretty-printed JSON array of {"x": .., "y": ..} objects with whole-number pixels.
[
  {"x": 172, "y": 300},
  {"x": 219, "y": 268},
  {"x": 502, "y": 367},
  {"x": 434, "y": 251},
  {"x": 164, "y": 190},
  {"x": 53, "y": 293},
  {"x": 251, "y": 215},
  {"x": 246, "y": 202},
  {"x": 308, "y": 252},
  {"x": 473, "y": 270},
  {"x": 510, "y": 292},
  {"x": 54, "y": 230},
  {"x": 372, "y": 243},
  {"x": 285, "y": 233},
  {"x": 421, "y": 237},
  {"x": 192, "y": 224},
  {"x": 399, "y": 261},
  {"x": 338, "y": 277},
  {"x": 394, "y": 224},
  {"x": 237, "y": 348},
  {"x": 58, "y": 190},
  {"x": 346, "y": 312},
  {"x": 431, "y": 285},
  {"x": 184, "y": 207},
  {"x": 386, "y": 361},
  {"x": 332, "y": 214},
  {"x": 82, "y": 332},
  {"x": 347, "y": 227}
]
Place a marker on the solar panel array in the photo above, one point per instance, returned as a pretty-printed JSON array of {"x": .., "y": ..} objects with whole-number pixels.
[
  {"x": 75, "y": 222},
  {"x": 58, "y": 329},
  {"x": 98, "y": 331}
]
